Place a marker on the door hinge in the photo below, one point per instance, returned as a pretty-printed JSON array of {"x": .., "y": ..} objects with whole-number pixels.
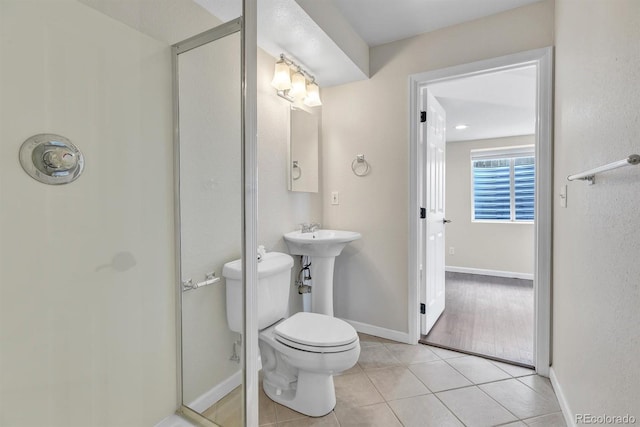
[
  {"x": 423, "y": 116},
  {"x": 423, "y": 213},
  {"x": 423, "y": 309}
]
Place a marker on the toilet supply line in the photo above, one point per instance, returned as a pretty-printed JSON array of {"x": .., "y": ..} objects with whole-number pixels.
[{"x": 304, "y": 276}]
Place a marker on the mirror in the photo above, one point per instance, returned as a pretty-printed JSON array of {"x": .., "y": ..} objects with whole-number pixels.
[
  {"x": 210, "y": 222},
  {"x": 303, "y": 150}
]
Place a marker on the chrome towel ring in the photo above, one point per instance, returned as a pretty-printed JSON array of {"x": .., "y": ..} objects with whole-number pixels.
[
  {"x": 360, "y": 166},
  {"x": 295, "y": 166}
]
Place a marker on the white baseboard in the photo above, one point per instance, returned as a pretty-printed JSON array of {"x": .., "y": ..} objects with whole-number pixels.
[
  {"x": 174, "y": 421},
  {"x": 378, "y": 331},
  {"x": 562, "y": 400},
  {"x": 496, "y": 273},
  {"x": 207, "y": 399}
]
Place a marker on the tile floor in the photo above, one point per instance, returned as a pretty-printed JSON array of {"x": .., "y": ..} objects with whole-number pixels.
[{"x": 401, "y": 385}]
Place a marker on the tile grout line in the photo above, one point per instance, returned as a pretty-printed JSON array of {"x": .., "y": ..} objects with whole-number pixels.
[
  {"x": 536, "y": 391},
  {"x": 427, "y": 387},
  {"x": 501, "y": 405},
  {"x": 449, "y": 409},
  {"x": 489, "y": 382},
  {"x": 438, "y": 358},
  {"x": 393, "y": 412},
  {"x": 406, "y": 366},
  {"x": 409, "y": 397},
  {"x": 481, "y": 383}
]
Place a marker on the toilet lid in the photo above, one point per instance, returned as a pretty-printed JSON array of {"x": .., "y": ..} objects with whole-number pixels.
[{"x": 317, "y": 330}]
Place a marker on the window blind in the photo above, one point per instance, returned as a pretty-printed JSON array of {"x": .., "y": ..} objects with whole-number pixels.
[
  {"x": 492, "y": 189},
  {"x": 525, "y": 187},
  {"x": 503, "y": 185}
]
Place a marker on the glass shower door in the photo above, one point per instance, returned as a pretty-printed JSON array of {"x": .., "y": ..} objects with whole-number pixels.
[{"x": 209, "y": 167}]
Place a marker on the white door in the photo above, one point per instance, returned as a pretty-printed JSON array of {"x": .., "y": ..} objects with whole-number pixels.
[{"x": 432, "y": 149}]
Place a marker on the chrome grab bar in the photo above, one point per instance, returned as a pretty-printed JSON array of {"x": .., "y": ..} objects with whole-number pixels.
[
  {"x": 590, "y": 175},
  {"x": 209, "y": 279}
]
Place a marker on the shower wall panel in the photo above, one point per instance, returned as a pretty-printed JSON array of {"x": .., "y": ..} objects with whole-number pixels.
[{"x": 87, "y": 306}]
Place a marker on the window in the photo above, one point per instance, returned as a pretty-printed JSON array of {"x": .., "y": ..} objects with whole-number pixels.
[{"x": 503, "y": 184}]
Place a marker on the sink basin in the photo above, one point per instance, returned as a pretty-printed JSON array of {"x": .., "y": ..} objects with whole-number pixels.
[{"x": 320, "y": 243}]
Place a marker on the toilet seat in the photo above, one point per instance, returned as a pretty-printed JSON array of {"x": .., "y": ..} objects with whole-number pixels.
[
  {"x": 316, "y": 349},
  {"x": 317, "y": 333}
]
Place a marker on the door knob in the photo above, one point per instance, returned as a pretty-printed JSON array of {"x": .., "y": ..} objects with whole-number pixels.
[{"x": 446, "y": 221}]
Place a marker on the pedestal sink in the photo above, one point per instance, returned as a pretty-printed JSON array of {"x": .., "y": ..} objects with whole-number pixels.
[{"x": 323, "y": 246}]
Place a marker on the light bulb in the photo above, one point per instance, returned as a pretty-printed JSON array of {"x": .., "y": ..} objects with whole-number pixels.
[
  {"x": 281, "y": 76},
  {"x": 313, "y": 95},
  {"x": 298, "y": 85}
]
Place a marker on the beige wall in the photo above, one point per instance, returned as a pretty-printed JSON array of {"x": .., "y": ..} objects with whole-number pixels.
[
  {"x": 370, "y": 117},
  {"x": 596, "y": 292},
  {"x": 279, "y": 210},
  {"x": 86, "y": 341},
  {"x": 482, "y": 245}
]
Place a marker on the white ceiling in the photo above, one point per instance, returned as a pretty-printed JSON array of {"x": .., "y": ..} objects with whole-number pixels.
[
  {"x": 302, "y": 28},
  {"x": 170, "y": 21},
  {"x": 493, "y": 105},
  {"x": 384, "y": 21},
  {"x": 330, "y": 38},
  {"x": 285, "y": 27}
]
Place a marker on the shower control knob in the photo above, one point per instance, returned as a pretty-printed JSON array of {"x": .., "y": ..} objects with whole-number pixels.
[
  {"x": 59, "y": 158},
  {"x": 51, "y": 159}
]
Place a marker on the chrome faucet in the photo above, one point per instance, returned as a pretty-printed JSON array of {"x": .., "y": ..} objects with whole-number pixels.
[{"x": 309, "y": 228}]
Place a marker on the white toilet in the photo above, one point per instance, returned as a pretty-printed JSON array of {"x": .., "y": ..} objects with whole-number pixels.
[{"x": 300, "y": 353}]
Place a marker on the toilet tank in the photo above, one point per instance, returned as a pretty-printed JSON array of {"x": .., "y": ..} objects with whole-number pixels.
[{"x": 274, "y": 280}]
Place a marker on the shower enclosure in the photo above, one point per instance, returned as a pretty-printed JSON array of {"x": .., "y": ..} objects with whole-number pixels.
[{"x": 92, "y": 271}]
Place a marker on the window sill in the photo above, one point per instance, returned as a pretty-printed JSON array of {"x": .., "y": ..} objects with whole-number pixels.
[{"x": 498, "y": 221}]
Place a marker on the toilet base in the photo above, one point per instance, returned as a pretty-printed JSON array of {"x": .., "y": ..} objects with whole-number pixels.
[
  {"x": 299, "y": 379},
  {"x": 313, "y": 394}
]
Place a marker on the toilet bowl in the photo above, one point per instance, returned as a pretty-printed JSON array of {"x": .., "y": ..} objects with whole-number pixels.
[{"x": 301, "y": 353}]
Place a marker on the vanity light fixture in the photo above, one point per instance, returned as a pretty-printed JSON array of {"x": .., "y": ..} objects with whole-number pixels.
[
  {"x": 281, "y": 76},
  {"x": 297, "y": 86}
]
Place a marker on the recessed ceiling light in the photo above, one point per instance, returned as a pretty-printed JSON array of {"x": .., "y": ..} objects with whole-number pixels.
[{"x": 461, "y": 127}]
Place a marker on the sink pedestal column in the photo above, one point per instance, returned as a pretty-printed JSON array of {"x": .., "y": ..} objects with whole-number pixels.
[{"x": 322, "y": 284}]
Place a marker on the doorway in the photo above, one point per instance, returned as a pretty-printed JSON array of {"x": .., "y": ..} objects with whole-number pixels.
[
  {"x": 490, "y": 187},
  {"x": 427, "y": 250}
]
